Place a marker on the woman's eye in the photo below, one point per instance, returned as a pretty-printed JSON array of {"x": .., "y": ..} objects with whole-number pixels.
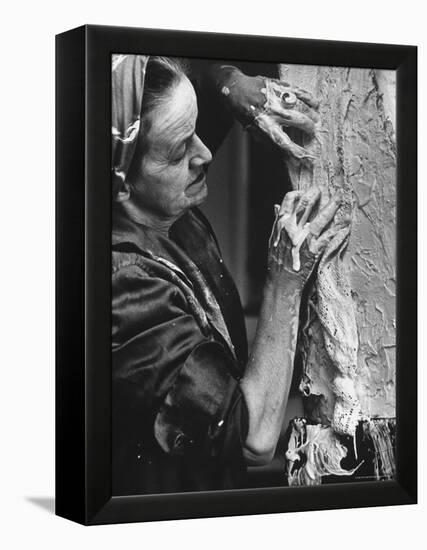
[
  {"x": 180, "y": 154},
  {"x": 179, "y": 158}
]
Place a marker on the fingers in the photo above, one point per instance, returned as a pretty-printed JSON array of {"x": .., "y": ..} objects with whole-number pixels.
[
  {"x": 283, "y": 104},
  {"x": 298, "y": 202},
  {"x": 306, "y": 204},
  {"x": 321, "y": 243},
  {"x": 325, "y": 216},
  {"x": 306, "y": 96},
  {"x": 281, "y": 90},
  {"x": 294, "y": 119},
  {"x": 273, "y": 130},
  {"x": 289, "y": 202},
  {"x": 282, "y": 213},
  {"x": 294, "y": 202}
]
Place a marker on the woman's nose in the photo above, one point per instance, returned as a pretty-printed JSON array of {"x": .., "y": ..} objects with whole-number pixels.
[{"x": 202, "y": 155}]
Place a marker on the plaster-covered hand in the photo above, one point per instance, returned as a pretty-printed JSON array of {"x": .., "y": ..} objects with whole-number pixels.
[
  {"x": 301, "y": 232},
  {"x": 269, "y": 107}
]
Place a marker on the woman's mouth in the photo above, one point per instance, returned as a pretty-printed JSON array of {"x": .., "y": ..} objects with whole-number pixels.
[
  {"x": 199, "y": 178},
  {"x": 196, "y": 185}
]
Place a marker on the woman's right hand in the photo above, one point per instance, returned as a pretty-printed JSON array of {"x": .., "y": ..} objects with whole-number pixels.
[{"x": 299, "y": 234}]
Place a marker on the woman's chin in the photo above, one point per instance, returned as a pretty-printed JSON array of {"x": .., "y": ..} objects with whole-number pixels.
[{"x": 197, "y": 192}]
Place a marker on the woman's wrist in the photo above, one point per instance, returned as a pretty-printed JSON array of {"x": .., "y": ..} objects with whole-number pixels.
[
  {"x": 283, "y": 286},
  {"x": 240, "y": 93},
  {"x": 282, "y": 276}
]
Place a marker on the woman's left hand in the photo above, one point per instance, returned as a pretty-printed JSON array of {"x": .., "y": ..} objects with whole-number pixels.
[
  {"x": 301, "y": 232},
  {"x": 270, "y": 107}
]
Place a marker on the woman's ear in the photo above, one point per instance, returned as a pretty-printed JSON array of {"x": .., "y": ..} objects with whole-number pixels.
[{"x": 123, "y": 193}]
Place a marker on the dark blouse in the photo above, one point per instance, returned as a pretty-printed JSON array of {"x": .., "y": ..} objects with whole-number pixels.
[{"x": 179, "y": 349}]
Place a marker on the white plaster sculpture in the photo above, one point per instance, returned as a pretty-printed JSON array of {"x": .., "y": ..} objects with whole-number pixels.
[{"x": 348, "y": 338}]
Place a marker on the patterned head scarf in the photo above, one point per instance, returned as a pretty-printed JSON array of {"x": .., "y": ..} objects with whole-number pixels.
[{"x": 127, "y": 75}]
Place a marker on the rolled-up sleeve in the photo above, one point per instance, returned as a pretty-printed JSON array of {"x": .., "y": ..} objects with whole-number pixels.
[{"x": 169, "y": 369}]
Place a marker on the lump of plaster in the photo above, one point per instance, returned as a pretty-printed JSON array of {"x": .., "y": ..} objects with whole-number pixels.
[{"x": 314, "y": 451}]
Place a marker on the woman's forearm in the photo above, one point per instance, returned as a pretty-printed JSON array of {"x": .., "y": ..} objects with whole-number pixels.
[{"x": 268, "y": 375}]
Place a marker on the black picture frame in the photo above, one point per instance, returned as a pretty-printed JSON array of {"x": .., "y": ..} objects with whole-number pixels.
[{"x": 83, "y": 275}]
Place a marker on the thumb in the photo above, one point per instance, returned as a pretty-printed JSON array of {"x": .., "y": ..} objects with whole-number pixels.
[{"x": 325, "y": 238}]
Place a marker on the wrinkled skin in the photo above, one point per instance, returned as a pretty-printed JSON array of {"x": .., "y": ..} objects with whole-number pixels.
[
  {"x": 300, "y": 232},
  {"x": 269, "y": 107}
]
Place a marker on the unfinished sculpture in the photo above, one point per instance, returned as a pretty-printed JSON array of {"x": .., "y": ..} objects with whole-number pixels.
[
  {"x": 347, "y": 337},
  {"x": 279, "y": 106}
]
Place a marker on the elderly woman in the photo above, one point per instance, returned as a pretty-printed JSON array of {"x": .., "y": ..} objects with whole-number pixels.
[{"x": 190, "y": 409}]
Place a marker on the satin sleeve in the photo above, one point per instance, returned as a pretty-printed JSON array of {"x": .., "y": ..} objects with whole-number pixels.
[{"x": 166, "y": 368}]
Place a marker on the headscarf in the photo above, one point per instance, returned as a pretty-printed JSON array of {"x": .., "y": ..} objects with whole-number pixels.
[
  {"x": 128, "y": 78},
  {"x": 127, "y": 85}
]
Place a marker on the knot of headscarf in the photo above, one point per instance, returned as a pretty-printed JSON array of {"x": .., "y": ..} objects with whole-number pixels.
[{"x": 127, "y": 85}]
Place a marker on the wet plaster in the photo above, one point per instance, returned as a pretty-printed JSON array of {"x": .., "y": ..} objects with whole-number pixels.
[{"x": 355, "y": 151}]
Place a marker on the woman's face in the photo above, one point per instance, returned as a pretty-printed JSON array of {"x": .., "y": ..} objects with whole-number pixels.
[{"x": 171, "y": 177}]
